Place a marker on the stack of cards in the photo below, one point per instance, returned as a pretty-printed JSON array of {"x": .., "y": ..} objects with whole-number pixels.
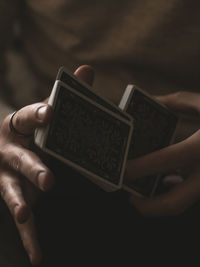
[
  {"x": 87, "y": 132},
  {"x": 96, "y": 138},
  {"x": 154, "y": 128}
]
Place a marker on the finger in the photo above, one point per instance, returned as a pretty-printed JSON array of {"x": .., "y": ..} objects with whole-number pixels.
[
  {"x": 85, "y": 73},
  {"x": 29, "y": 165},
  {"x": 174, "y": 202},
  {"x": 165, "y": 160},
  {"x": 30, "y": 117},
  {"x": 28, "y": 236},
  {"x": 11, "y": 193},
  {"x": 183, "y": 102}
]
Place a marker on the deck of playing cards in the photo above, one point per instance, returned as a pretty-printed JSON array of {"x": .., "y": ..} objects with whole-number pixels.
[
  {"x": 96, "y": 138},
  {"x": 154, "y": 129},
  {"x": 87, "y": 132}
]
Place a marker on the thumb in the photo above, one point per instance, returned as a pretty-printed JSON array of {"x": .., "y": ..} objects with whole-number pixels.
[{"x": 85, "y": 73}]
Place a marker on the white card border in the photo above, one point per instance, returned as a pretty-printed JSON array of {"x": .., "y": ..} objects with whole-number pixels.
[{"x": 41, "y": 136}]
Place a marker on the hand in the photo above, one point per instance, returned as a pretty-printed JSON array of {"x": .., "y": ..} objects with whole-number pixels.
[
  {"x": 22, "y": 173},
  {"x": 183, "y": 157}
]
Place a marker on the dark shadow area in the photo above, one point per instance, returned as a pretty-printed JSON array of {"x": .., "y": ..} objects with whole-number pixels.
[{"x": 79, "y": 224}]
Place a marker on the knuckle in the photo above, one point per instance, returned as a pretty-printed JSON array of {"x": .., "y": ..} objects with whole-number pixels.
[
  {"x": 17, "y": 120},
  {"x": 16, "y": 161},
  {"x": 179, "y": 94}
]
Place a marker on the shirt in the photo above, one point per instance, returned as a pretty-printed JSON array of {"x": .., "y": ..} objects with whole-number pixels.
[
  {"x": 154, "y": 44},
  {"x": 151, "y": 43}
]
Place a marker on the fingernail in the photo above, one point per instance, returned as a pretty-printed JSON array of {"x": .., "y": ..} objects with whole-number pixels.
[
  {"x": 41, "y": 112},
  {"x": 45, "y": 182}
]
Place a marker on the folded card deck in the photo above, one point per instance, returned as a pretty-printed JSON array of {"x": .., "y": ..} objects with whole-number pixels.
[
  {"x": 87, "y": 132},
  {"x": 80, "y": 86},
  {"x": 154, "y": 129},
  {"x": 96, "y": 138}
]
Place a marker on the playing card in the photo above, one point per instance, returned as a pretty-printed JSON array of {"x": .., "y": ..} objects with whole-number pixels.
[
  {"x": 86, "y": 136},
  {"x": 80, "y": 86},
  {"x": 154, "y": 128}
]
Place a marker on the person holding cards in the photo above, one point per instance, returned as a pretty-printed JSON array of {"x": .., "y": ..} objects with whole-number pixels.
[{"x": 147, "y": 43}]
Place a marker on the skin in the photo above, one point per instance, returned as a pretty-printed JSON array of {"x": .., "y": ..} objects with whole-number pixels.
[
  {"x": 23, "y": 175},
  {"x": 183, "y": 157}
]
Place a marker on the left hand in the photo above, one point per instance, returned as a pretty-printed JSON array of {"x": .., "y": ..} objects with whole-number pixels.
[{"x": 183, "y": 156}]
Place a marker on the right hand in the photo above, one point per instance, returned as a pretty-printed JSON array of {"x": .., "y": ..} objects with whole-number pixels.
[{"x": 22, "y": 172}]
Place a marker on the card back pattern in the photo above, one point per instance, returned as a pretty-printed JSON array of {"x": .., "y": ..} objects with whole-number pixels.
[{"x": 88, "y": 136}]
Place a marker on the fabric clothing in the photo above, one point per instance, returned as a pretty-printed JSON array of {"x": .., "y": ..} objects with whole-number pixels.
[
  {"x": 154, "y": 44},
  {"x": 151, "y": 43}
]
